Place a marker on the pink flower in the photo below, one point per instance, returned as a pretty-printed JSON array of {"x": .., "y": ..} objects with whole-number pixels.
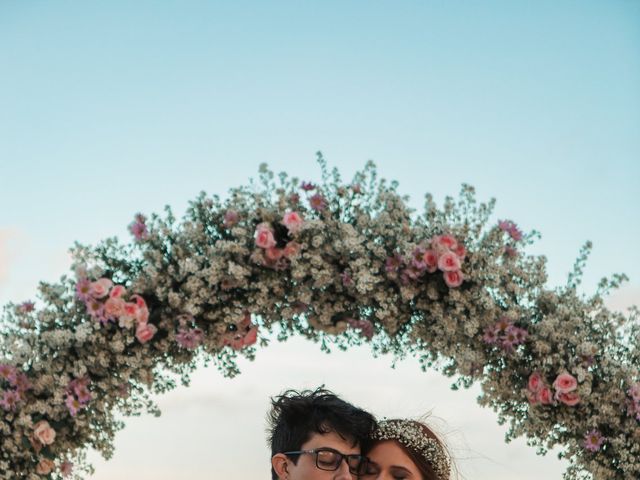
[
  {"x": 307, "y": 186},
  {"x": 117, "y": 291},
  {"x": 43, "y": 432},
  {"x": 96, "y": 309},
  {"x": 509, "y": 251},
  {"x": 138, "y": 228},
  {"x": 241, "y": 334},
  {"x": 73, "y": 404},
  {"x": 460, "y": 251},
  {"x": 130, "y": 310},
  {"x": 511, "y": 228},
  {"x": 346, "y": 279},
  {"x": 273, "y": 254},
  {"x": 251, "y": 337},
  {"x": 544, "y": 395},
  {"x": 292, "y": 249},
  {"x": 430, "y": 258},
  {"x": 593, "y": 440},
  {"x": 83, "y": 289},
  {"x": 45, "y": 466},
  {"x": 231, "y": 218},
  {"x": 569, "y": 398},
  {"x": 66, "y": 468},
  {"x": 565, "y": 383},
  {"x": 449, "y": 262},
  {"x": 145, "y": 332},
  {"x": 453, "y": 279},
  {"x": 9, "y": 400},
  {"x": 535, "y": 382},
  {"x": 114, "y": 307},
  {"x": 142, "y": 315},
  {"x": 100, "y": 288},
  {"x": 293, "y": 221},
  {"x": 264, "y": 236},
  {"x": 318, "y": 202},
  {"x": 445, "y": 242}
]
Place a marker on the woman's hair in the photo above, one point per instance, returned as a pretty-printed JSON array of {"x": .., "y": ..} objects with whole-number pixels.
[{"x": 420, "y": 443}]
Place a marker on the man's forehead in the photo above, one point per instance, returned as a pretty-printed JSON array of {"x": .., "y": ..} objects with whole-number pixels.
[{"x": 333, "y": 440}]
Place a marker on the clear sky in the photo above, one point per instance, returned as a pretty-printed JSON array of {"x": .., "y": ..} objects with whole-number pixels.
[{"x": 110, "y": 108}]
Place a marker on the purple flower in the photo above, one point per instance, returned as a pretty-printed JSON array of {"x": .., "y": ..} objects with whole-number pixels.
[
  {"x": 318, "y": 202},
  {"x": 365, "y": 327},
  {"x": 190, "y": 339},
  {"x": 83, "y": 289},
  {"x": 307, "y": 186},
  {"x": 73, "y": 404},
  {"x": 26, "y": 307},
  {"x": 10, "y": 400},
  {"x": 231, "y": 217},
  {"x": 393, "y": 263},
  {"x": 490, "y": 335},
  {"x": 593, "y": 440},
  {"x": 138, "y": 228},
  {"x": 346, "y": 278}
]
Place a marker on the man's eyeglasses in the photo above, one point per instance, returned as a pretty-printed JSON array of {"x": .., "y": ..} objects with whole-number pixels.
[{"x": 330, "y": 459}]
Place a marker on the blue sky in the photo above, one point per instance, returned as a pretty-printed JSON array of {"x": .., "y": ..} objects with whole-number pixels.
[{"x": 111, "y": 108}]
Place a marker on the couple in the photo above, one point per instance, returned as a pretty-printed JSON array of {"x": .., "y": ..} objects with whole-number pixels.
[{"x": 315, "y": 435}]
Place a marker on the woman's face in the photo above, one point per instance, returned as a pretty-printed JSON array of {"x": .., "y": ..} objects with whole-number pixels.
[{"x": 388, "y": 461}]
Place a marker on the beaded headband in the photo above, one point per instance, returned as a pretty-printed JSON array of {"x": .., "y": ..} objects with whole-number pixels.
[{"x": 409, "y": 434}]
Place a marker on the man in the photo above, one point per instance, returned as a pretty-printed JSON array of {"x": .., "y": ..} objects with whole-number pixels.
[{"x": 315, "y": 435}]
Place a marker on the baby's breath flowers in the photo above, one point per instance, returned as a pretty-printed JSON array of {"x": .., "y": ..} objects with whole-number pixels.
[{"x": 341, "y": 263}]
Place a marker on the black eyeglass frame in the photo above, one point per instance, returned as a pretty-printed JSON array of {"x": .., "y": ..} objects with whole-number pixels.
[{"x": 357, "y": 470}]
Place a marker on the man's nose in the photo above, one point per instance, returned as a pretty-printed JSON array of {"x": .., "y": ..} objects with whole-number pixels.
[{"x": 343, "y": 472}]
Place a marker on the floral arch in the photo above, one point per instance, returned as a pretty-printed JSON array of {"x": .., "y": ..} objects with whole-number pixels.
[{"x": 343, "y": 263}]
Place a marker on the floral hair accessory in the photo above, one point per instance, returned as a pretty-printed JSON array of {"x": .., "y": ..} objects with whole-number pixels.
[{"x": 410, "y": 434}]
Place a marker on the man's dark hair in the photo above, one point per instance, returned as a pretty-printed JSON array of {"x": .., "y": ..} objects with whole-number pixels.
[{"x": 296, "y": 416}]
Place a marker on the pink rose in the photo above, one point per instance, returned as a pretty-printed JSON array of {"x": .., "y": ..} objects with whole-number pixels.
[
  {"x": 130, "y": 309},
  {"x": 264, "y": 236},
  {"x": 139, "y": 301},
  {"x": 449, "y": 262},
  {"x": 565, "y": 383},
  {"x": 145, "y": 332},
  {"x": 293, "y": 221},
  {"x": 453, "y": 279},
  {"x": 100, "y": 288},
  {"x": 231, "y": 217},
  {"x": 535, "y": 382},
  {"x": 544, "y": 396},
  {"x": 273, "y": 254},
  {"x": 114, "y": 307},
  {"x": 45, "y": 466},
  {"x": 251, "y": 337},
  {"x": 142, "y": 316},
  {"x": 460, "y": 251},
  {"x": 445, "y": 242},
  {"x": 292, "y": 249},
  {"x": 569, "y": 398},
  {"x": 430, "y": 258},
  {"x": 117, "y": 292},
  {"x": 43, "y": 432}
]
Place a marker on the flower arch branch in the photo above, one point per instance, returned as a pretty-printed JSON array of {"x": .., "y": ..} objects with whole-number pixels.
[{"x": 342, "y": 263}]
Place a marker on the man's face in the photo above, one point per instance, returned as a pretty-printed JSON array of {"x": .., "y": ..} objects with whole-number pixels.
[{"x": 305, "y": 468}]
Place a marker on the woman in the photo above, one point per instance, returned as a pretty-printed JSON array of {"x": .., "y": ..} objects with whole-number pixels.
[{"x": 406, "y": 450}]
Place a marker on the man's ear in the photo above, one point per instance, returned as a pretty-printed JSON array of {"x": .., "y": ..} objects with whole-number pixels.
[{"x": 280, "y": 463}]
